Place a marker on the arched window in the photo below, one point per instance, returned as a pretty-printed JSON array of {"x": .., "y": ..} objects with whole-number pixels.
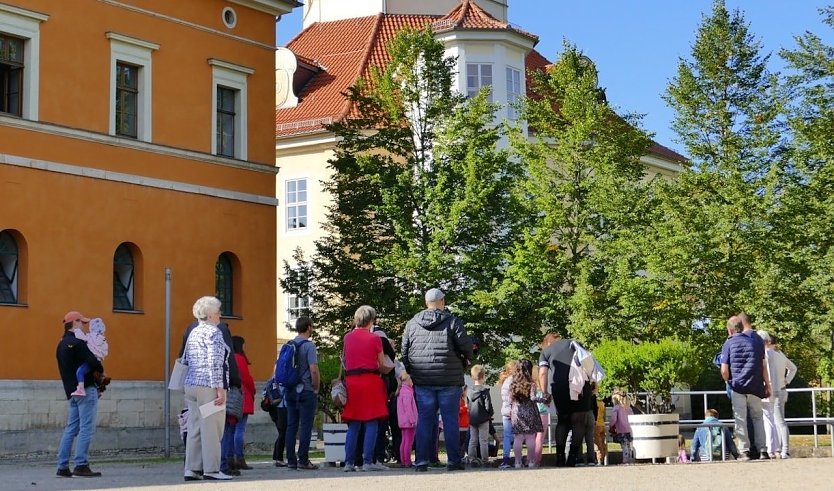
[
  {"x": 224, "y": 283},
  {"x": 8, "y": 268},
  {"x": 123, "y": 278}
]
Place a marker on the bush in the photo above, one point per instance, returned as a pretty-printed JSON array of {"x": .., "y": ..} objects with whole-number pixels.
[{"x": 654, "y": 367}]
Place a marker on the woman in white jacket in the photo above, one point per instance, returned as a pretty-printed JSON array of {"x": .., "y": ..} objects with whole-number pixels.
[{"x": 781, "y": 371}]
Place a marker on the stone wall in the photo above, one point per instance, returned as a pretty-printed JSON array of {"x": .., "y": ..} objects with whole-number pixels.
[{"x": 130, "y": 419}]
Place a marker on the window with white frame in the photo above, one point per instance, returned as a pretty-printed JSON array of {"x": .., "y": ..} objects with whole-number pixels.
[
  {"x": 513, "y": 92},
  {"x": 229, "y": 102},
  {"x": 478, "y": 75},
  {"x": 20, "y": 61},
  {"x": 297, "y": 305},
  {"x": 296, "y": 204},
  {"x": 130, "y": 86}
]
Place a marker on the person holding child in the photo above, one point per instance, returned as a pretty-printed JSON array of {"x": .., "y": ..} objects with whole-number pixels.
[
  {"x": 480, "y": 416},
  {"x": 97, "y": 343},
  {"x": 524, "y": 414},
  {"x": 619, "y": 426},
  {"x": 81, "y": 415}
]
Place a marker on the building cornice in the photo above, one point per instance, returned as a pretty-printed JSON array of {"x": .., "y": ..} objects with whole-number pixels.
[
  {"x": 29, "y": 14},
  {"x": 89, "y": 136},
  {"x": 121, "y": 177},
  {"x": 273, "y": 7}
]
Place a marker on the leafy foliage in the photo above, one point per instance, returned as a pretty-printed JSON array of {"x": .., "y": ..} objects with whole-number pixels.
[
  {"x": 421, "y": 198},
  {"x": 647, "y": 366}
]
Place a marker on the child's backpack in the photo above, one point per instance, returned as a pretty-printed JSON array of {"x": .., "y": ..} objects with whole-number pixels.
[
  {"x": 287, "y": 369},
  {"x": 271, "y": 395}
]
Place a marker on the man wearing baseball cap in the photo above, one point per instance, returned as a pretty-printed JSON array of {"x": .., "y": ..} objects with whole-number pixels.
[
  {"x": 435, "y": 352},
  {"x": 81, "y": 415}
]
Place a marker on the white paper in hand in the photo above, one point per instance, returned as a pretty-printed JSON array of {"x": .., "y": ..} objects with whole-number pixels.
[{"x": 210, "y": 408}]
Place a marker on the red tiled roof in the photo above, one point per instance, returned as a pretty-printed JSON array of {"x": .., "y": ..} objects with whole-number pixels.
[
  {"x": 345, "y": 49},
  {"x": 468, "y": 15},
  {"x": 667, "y": 153}
]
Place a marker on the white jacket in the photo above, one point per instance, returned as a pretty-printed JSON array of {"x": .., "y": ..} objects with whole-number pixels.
[{"x": 780, "y": 368}]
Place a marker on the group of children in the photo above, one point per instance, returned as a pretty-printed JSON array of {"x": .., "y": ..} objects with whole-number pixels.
[{"x": 525, "y": 417}]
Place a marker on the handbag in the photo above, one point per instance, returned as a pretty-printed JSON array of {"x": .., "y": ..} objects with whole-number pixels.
[
  {"x": 177, "y": 380},
  {"x": 234, "y": 402},
  {"x": 338, "y": 393}
]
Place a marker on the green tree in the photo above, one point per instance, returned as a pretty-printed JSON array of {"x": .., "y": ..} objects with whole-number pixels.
[
  {"x": 805, "y": 214},
  {"x": 422, "y": 198},
  {"x": 584, "y": 197},
  {"x": 713, "y": 239}
]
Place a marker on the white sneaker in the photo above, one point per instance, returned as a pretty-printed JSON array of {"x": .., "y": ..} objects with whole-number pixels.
[
  {"x": 349, "y": 468},
  {"x": 374, "y": 467},
  {"x": 216, "y": 476},
  {"x": 519, "y": 466}
]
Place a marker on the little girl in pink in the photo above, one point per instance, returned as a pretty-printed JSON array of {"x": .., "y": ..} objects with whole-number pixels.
[
  {"x": 97, "y": 343},
  {"x": 407, "y": 417}
]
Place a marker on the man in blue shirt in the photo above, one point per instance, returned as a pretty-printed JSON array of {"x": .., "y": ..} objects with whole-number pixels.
[{"x": 743, "y": 368}]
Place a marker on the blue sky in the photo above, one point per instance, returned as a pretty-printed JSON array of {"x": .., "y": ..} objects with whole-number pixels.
[{"x": 636, "y": 44}]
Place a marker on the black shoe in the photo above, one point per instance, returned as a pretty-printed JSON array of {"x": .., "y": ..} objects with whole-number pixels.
[
  {"x": 560, "y": 460},
  {"x": 421, "y": 468},
  {"x": 230, "y": 472},
  {"x": 571, "y": 461},
  {"x": 456, "y": 467},
  {"x": 85, "y": 471},
  {"x": 64, "y": 473}
]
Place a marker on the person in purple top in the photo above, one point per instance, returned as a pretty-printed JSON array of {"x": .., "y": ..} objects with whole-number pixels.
[{"x": 743, "y": 368}]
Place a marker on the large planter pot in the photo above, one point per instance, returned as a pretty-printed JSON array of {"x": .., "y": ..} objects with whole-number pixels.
[
  {"x": 334, "y": 442},
  {"x": 655, "y": 435}
]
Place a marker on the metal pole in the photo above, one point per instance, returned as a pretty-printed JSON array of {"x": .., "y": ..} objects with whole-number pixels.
[
  {"x": 167, "y": 403},
  {"x": 814, "y": 415}
]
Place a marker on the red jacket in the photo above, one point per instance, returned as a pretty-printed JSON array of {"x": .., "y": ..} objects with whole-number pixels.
[{"x": 247, "y": 384}]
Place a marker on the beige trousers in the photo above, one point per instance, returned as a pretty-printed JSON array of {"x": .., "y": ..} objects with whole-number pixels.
[{"x": 202, "y": 448}]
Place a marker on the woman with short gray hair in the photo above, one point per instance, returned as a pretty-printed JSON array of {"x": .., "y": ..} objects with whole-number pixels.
[
  {"x": 367, "y": 397},
  {"x": 207, "y": 356}
]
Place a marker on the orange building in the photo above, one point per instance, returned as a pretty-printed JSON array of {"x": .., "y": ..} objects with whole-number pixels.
[{"x": 135, "y": 136}]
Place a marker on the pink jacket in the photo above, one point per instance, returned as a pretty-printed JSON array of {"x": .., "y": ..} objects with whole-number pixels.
[
  {"x": 619, "y": 420},
  {"x": 406, "y": 407}
]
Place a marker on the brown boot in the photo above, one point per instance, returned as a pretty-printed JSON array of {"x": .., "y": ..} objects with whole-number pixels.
[{"x": 240, "y": 463}]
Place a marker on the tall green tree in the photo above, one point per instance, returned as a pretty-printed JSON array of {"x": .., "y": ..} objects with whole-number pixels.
[
  {"x": 713, "y": 238},
  {"x": 584, "y": 197},
  {"x": 421, "y": 198},
  {"x": 804, "y": 216}
]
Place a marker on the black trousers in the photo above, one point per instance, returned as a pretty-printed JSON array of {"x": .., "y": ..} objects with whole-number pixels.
[{"x": 279, "y": 417}]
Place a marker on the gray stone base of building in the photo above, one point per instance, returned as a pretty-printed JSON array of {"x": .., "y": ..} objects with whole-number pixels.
[{"x": 130, "y": 420}]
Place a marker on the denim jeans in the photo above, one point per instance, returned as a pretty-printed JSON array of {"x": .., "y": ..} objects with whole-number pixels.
[
  {"x": 508, "y": 439},
  {"x": 81, "y": 422},
  {"x": 430, "y": 399},
  {"x": 742, "y": 403},
  {"x": 227, "y": 447},
  {"x": 240, "y": 436},
  {"x": 368, "y": 445},
  {"x": 301, "y": 410}
]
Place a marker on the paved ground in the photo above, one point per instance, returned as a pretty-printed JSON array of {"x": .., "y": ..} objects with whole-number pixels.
[{"x": 802, "y": 474}]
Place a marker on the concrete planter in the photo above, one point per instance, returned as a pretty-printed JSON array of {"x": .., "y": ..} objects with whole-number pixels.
[
  {"x": 655, "y": 435},
  {"x": 334, "y": 442}
]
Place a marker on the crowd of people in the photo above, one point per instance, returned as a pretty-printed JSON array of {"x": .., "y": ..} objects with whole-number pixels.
[{"x": 417, "y": 395}]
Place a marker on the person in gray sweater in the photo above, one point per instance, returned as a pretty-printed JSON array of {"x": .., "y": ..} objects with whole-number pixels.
[{"x": 435, "y": 352}]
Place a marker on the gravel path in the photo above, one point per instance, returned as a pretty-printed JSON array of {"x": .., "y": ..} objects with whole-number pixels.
[{"x": 801, "y": 474}]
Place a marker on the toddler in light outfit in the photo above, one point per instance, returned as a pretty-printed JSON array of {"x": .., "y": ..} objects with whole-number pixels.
[{"x": 97, "y": 343}]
